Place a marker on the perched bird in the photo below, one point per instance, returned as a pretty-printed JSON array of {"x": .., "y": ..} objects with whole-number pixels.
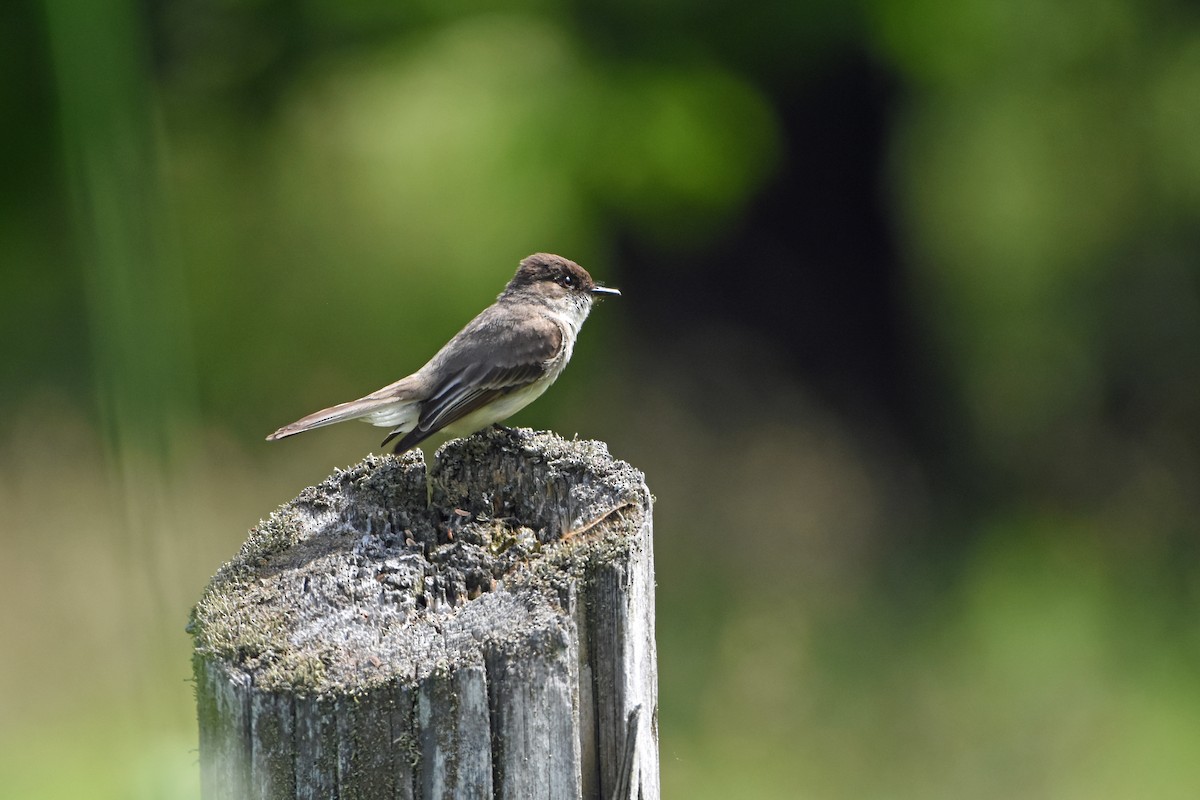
[{"x": 499, "y": 363}]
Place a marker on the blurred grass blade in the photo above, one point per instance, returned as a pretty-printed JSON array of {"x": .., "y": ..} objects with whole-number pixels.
[{"x": 135, "y": 297}]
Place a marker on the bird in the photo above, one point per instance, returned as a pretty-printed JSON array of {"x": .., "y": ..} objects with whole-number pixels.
[{"x": 500, "y": 362}]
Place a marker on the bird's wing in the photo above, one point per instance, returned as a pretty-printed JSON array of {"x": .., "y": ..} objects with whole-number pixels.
[{"x": 504, "y": 358}]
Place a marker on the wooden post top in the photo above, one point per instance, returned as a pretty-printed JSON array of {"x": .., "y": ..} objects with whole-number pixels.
[{"x": 372, "y": 577}]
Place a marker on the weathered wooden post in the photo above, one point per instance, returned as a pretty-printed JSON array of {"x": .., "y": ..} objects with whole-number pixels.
[{"x": 486, "y": 630}]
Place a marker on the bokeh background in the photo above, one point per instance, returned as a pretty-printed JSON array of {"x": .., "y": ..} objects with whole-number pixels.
[{"x": 909, "y": 351}]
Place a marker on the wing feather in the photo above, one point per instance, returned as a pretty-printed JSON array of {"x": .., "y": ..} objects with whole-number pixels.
[{"x": 494, "y": 357}]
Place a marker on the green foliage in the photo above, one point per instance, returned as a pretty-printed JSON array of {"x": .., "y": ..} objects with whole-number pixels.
[{"x": 216, "y": 217}]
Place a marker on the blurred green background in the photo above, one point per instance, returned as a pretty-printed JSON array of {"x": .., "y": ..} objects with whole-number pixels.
[{"x": 909, "y": 352}]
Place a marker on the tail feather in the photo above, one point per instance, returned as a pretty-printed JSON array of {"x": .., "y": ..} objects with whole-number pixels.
[{"x": 384, "y": 407}]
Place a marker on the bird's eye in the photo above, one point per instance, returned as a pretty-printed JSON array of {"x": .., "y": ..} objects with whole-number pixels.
[{"x": 567, "y": 280}]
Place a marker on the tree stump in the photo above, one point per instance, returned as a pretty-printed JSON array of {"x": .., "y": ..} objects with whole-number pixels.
[{"x": 483, "y": 630}]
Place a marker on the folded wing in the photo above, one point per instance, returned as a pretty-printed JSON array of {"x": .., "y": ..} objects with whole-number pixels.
[{"x": 502, "y": 358}]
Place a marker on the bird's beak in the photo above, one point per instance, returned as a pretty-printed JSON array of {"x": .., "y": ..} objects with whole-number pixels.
[{"x": 605, "y": 290}]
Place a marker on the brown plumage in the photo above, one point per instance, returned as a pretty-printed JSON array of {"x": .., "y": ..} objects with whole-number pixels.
[{"x": 500, "y": 362}]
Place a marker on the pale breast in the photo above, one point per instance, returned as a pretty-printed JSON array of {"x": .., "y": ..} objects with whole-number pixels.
[{"x": 502, "y": 408}]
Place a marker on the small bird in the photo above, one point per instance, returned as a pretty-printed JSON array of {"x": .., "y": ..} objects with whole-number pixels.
[{"x": 499, "y": 363}]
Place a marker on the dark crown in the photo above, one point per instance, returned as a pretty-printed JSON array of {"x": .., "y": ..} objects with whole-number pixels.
[{"x": 541, "y": 267}]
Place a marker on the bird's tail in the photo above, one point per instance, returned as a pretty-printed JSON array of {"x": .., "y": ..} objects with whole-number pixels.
[{"x": 388, "y": 406}]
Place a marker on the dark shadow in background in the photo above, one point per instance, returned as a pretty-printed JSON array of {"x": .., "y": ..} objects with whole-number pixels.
[{"x": 813, "y": 265}]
